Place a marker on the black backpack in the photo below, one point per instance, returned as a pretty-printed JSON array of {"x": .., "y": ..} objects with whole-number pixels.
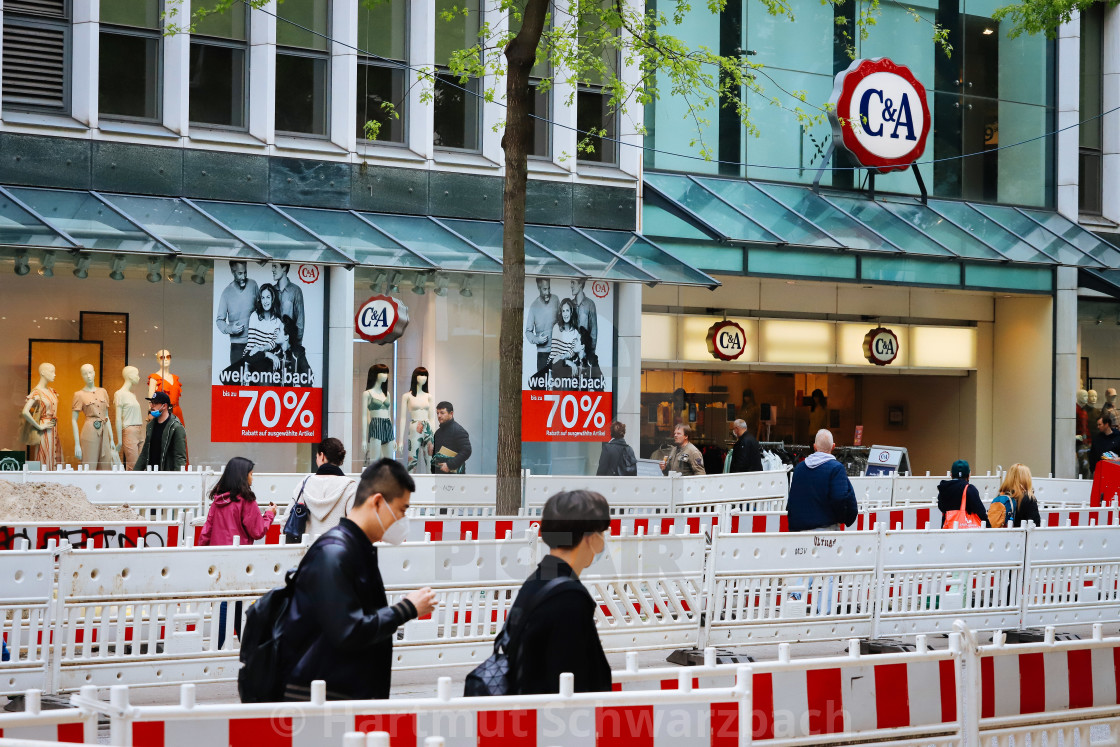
[
  {"x": 627, "y": 463},
  {"x": 492, "y": 677},
  {"x": 260, "y": 679}
]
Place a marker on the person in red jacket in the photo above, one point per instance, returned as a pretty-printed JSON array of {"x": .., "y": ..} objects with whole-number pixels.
[{"x": 233, "y": 512}]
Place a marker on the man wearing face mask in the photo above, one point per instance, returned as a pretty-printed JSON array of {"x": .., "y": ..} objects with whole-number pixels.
[
  {"x": 340, "y": 625},
  {"x": 165, "y": 442},
  {"x": 552, "y": 621}
]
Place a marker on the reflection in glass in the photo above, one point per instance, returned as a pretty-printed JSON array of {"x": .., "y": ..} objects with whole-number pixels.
[
  {"x": 217, "y": 85},
  {"x": 456, "y": 115},
  {"x": 92, "y": 223},
  {"x": 301, "y": 94},
  {"x": 356, "y": 237},
  {"x": 270, "y": 231},
  {"x": 128, "y": 73},
  {"x": 180, "y": 225}
]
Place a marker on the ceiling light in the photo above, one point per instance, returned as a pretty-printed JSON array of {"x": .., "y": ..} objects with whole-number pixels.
[
  {"x": 441, "y": 284},
  {"x": 418, "y": 283},
  {"x": 176, "y": 275},
  {"x": 394, "y": 282},
  {"x": 117, "y": 271},
  {"x": 22, "y": 265},
  {"x": 153, "y": 269},
  {"x": 378, "y": 282},
  {"x": 465, "y": 287},
  {"x": 198, "y": 277},
  {"x": 46, "y": 265},
  {"x": 81, "y": 266},
  {"x": 988, "y": 32}
]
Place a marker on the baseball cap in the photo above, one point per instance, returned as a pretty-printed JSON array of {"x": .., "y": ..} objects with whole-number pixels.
[
  {"x": 161, "y": 398},
  {"x": 960, "y": 469}
]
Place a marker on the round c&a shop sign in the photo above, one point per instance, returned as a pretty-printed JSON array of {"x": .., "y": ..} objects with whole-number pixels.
[
  {"x": 381, "y": 319},
  {"x": 879, "y": 114},
  {"x": 880, "y": 346},
  {"x": 726, "y": 340}
]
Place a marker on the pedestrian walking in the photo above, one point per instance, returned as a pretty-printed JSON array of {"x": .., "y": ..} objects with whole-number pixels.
[
  {"x": 165, "y": 441},
  {"x": 329, "y": 493},
  {"x": 683, "y": 457},
  {"x": 451, "y": 445},
  {"x": 821, "y": 496},
  {"x": 1016, "y": 494},
  {"x": 746, "y": 454},
  {"x": 617, "y": 458},
  {"x": 949, "y": 493}
]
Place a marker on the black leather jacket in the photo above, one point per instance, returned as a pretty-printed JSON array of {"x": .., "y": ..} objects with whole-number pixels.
[{"x": 340, "y": 626}]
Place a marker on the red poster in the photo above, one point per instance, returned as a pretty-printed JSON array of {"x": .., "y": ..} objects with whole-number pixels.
[
  {"x": 565, "y": 416},
  {"x": 265, "y": 414}
]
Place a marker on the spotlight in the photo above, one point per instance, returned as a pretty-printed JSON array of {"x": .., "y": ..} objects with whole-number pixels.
[
  {"x": 176, "y": 275},
  {"x": 117, "y": 272},
  {"x": 22, "y": 265},
  {"x": 81, "y": 266},
  {"x": 465, "y": 287},
  {"x": 46, "y": 265},
  {"x": 394, "y": 282},
  {"x": 418, "y": 283},
  {"x": 378, "y": 282},
  {"x": 198, "y": 277},
  {"x": 441, "y": 284},
  {"x": 153, "y": 269}
]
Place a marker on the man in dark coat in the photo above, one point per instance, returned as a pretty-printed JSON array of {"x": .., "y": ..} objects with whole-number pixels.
[
  {"x": 558, "y": 632},
  {"x": 617, "y": 458},
  {"x": 820, "y": 494},
  {"x": 949, "y": 493},
  {"x": 1106, "y": 440},
  {"x": 339, "y": 627},
  {"x": 746, "y": 454},
  {"x": 165, "y": 440},
  {"x": 451, "y": 446}
]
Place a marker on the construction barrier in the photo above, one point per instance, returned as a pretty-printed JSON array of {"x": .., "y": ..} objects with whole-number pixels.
[{"x": 119, "y": 534}]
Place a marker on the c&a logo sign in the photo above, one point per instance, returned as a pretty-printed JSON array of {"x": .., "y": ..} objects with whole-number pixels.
[
  {"x": 879, "y": 114},
  {"x": 382, "y": 319},
  {"x": 880, "y": 346},
  {"x": 726, "y": 340}
]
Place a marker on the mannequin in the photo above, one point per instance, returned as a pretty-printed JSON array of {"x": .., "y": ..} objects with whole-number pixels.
[
  {"x": 39, "y": 428},
  {"x": 130, "y": 425},
  {"x": 1084, "y": 437},
  {"x": 94, "y": 445},
  {"x": 417, "y": 417},
  {"x": 165, "y": 381},
  {"x": 1110, "y": 397},
  {"x": 1094, "y": 409},
  {"x": 377, "y": 436}
]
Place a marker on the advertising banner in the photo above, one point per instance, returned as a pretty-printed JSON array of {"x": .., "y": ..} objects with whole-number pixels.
[
  {"x": 267, "y": 356},
  {"x": 568, "y": 360}
]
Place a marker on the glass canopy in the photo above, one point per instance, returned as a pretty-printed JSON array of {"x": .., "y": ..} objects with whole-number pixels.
[
  {"x": 160, "y": 226},
  {"x": 761, "y": 213}
]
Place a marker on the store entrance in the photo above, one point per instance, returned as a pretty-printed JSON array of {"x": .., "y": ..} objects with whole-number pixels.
[{"x": 932, "y": 416}]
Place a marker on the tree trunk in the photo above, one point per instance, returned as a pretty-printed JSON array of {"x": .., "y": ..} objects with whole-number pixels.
[{"x": 520, "y": 56}]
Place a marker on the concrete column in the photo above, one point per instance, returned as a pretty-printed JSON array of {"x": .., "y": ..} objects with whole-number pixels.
[
  {"x": 176, "y": 68},
  {"x": 1068, "y": 91},
  {"x": 421, "y": 54},
  {"x": 340, "y": 353},
  {"x": 628, "y": 394},
  {"x": 1065, "y": 373},
  {"x": 84, "y": 47},
  {"x": 262, "y": 73},
  {"x": 344, "y": 74},
  {"x": 1110, "y": 67}
]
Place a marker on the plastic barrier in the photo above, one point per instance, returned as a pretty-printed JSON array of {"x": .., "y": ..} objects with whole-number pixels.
[
  {"x": 744, "y": 491},
  {"x": 764, "y": 588},
  {"x": 115, "y": 487},
  {"x": 1072, "y": 576},
  {"x": 1079, "y": 517},
  {"x": 874, "y": 492},
  {"x": 624, "y": 494},
  {"x": 119, "y": 534},
  {"x": 26, "y": 592}
]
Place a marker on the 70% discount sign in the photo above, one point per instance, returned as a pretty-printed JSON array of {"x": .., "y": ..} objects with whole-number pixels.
[
  {"x": 266, "y": 414},
  {"x": 565, "y": 416}
]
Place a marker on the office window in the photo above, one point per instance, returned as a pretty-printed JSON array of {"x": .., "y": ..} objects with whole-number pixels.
[
  {"x": 382, "y": 60},
  {"x": 36, "y": 44},
  {"x": 1091, "y": 152},
  {"x": 219, "y": 49},
  {"x": 129, "y": 64},
  {"x": 593, "y": 112},
  {"x": 456, "y": 103},
  {"x": 302, "y": 66}
]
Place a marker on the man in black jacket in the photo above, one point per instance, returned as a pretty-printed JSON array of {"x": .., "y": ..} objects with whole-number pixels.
[
  {"x": 949, "y": 494},
  {"x": 451, "y": 446},
  {"x": 746, "y": 454},
  {"x": 558, "y": 634},
  {"x": 340, "y": 626},
  {"x": 1106, "y": 440},
  {"x": 617, "y": 458}
]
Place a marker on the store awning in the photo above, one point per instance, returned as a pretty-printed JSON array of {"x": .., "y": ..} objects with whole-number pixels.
[
  {"x": 736, "y": 211},
  {"x": 173, "y": 226}
]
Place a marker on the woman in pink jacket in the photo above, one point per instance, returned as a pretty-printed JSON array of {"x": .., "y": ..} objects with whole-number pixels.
[{"x": 233, "y": 512}]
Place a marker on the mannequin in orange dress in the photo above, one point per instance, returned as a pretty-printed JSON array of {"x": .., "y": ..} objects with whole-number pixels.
[{"x": 165, "y": 381}]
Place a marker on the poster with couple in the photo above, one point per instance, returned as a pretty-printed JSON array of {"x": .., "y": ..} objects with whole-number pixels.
[
  {"x": 568, "y": 360},
  {"x": 267, "y": 353}
]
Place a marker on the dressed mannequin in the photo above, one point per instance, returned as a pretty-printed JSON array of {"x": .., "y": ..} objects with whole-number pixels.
[
  {"x": 165, "y": 381},
  {"x": 1093, "y": 408},
  {"x": 417, "y": 418},
  {"x": 377, "y": 436},
  {"x": 40, "y": 420},
  {"x": 93, "y": 447},
  {"x": 1084, "y": 436},
  {"x": 1110, "y": 397},
  {"x": 130, "y": 424}
]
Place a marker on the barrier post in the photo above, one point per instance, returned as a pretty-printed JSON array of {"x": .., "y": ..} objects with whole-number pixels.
[
  {"x": 968, "y": 683},
  {"x": 55, "y": 631},
  {"x": 675, "y": 489},
  {"x": 743, "y": 679},
  {"x": 1025, "y": 581},
  {"x": 877, "y": 581},
  {"x": 705, "y": 626}
]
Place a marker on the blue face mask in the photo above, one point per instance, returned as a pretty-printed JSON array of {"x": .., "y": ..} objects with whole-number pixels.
[{"x": 154, "y": 413}]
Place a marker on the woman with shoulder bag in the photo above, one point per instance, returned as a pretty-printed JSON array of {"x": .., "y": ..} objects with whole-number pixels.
[
  {"x": 1016, "y": 498},
  {"x": 617, "y": 458},
  {"x": 329, "y": 493}
]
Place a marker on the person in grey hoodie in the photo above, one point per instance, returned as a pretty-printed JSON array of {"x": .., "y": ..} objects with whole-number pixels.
[
  {"x": 329, "y": 493},
  {"x": 820, "y": 494}
]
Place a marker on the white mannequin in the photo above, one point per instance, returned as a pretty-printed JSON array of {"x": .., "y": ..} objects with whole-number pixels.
[
  {"x": 129, "y": 419},
  {"x": 1110, "y": 396},
  {"x": 1093, "y": 409},
  {"x": 376, "y": 405},
  {"x": 94, "y": 460},
  {"x": 417, "y": 423},
  {"x": 49, "y": 450}
]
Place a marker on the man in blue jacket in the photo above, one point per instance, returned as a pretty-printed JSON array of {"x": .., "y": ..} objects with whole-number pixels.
[{"x": 821, "y": 496}]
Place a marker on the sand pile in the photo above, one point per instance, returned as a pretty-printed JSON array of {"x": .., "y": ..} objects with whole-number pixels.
[{"x": 45, "y": 502}]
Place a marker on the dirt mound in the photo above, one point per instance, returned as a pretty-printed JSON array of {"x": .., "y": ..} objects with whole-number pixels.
[{"x": 40, "y": 502}]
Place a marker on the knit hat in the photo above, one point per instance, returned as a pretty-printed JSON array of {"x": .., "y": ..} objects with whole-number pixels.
[{"x": 960, "y": 470}]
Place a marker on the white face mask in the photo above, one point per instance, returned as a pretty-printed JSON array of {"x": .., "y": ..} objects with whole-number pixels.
[
  {"x": 599, "y": 555},
  {"x": 397, "y": 531}
]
